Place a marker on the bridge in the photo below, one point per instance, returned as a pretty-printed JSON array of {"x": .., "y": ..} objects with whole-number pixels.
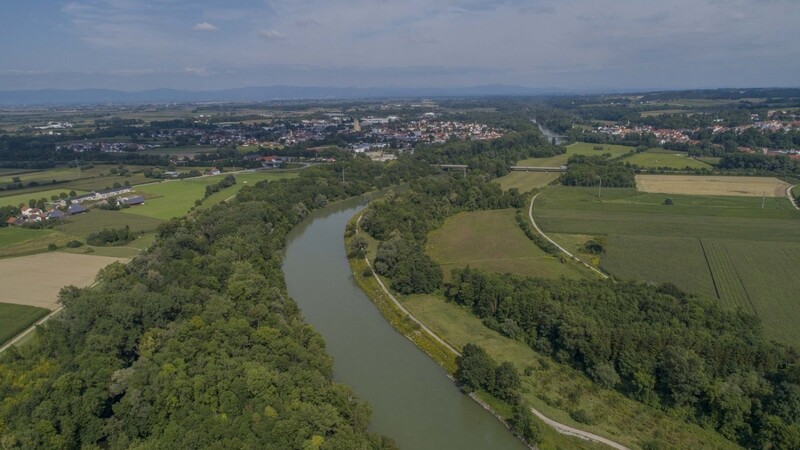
[
  {"x": 538, "y": 169},
  {"x": 464, "y": 167}
]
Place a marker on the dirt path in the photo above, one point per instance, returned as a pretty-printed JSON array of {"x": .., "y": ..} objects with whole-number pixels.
[
  {"x": 558, "y": 426},
  {"x": 791, "y": 197},
  {"x": 539, "y": 230}
]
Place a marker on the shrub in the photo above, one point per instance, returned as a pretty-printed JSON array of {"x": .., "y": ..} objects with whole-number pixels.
[
  {"x": 74, "y": 244},
  {"x": 668, "y": 201}
]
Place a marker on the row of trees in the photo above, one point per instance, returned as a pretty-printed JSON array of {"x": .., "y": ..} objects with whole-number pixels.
[
  {"x": 660, "y": 346},
  {"x": 114, "y": 236},
  {"x": 476, "y": 370}
]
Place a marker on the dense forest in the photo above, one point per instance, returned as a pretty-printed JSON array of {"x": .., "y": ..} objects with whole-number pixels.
[
  {"x": 660, "y": 346},
  {"x": 594, "y": 170},
  {"x": 195, "y": 343}
]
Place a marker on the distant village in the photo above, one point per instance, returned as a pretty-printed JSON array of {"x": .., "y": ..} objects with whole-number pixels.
[
  {"x": 372, "y": 135},
  {"x": 686, "y": 135}
]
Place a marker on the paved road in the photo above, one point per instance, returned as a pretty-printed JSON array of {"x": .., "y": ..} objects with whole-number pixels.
[{"x": 558, "y": 426}]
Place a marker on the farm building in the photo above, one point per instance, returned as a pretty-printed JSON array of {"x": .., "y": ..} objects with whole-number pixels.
[
  {"x": 133, "y": 201},
  {"x": 56, "y": 215},
  {"x": 76, "y": 209}
]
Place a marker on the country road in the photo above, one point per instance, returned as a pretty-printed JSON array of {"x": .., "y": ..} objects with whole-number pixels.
[
  {"x": 539, "y": 230},
  {"x": 558, "y": 426}
]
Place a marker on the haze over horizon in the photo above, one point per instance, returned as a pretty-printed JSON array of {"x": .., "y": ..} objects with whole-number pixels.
[{"x": 576, "y": 45}]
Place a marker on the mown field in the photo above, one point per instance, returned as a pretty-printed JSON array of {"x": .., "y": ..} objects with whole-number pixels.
[
  {"x": 660, "y": 159},
  {"x": 16, "y": 318},
  {"x": 557, "y": 390},
  {"x": 578, "y": 148},
  {"x": 492, "y": 241},
  {"x": 721, "y": 247},
  {"x": 527, "y": 181}
]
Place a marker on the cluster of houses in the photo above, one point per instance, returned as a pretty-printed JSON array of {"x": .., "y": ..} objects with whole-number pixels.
[{"x": 61, "y": 209}]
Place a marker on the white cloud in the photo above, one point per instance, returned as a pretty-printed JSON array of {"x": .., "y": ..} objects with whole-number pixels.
[
  {"x": 204, "y": 26},
  {"x": 271, "y": 34},
  {"x": 197, "y": 71}
]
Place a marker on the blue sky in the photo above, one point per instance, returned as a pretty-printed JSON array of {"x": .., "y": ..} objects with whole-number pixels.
[{"x": 571, "y": 44}]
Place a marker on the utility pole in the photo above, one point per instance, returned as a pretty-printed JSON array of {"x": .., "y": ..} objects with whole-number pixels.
[
  {"x": 342, "y": 175},
  {"x": 600, "y": 187},
  {"x": 763, "y": 199}
]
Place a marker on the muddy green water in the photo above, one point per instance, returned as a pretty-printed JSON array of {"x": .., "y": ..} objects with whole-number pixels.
[{"x": 412, "y": 399}]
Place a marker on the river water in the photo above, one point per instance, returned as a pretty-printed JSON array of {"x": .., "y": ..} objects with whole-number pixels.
[
  {"x": 551, "y": 136},
  {"x": 412, "y": 399}
]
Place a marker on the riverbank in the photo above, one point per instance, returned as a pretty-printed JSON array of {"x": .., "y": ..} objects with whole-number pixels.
[
  {"x": 560, "y": 393},
  {"x": 445, "y": 354}
]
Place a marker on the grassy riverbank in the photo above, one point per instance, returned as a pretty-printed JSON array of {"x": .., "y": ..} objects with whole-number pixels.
[{"x": 550, "y": 439}]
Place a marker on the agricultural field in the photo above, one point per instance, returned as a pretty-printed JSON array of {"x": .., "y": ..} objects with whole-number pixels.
[
  {"x": 174, "y": 198},
  {"x": 578, "y": 148},
  {"x": 36, "y": 279},
  {"x": 712, "y": 185},
  {"x": 16, "y": 235},
  {"x": 79, "y": 226},
  {"x": 556, "y": 389},
  {"x": 527, "y": 181},
  {"x": 726, "y": 248},
  {"x": 16, "y": 318},
  {"x": 503, "y": 247},
  {"x": 661, "y": 159}
]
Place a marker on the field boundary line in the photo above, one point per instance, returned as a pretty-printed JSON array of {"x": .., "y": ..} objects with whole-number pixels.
[
  {"x": 558, "y": 426},
  {"x": 710, "y": 269},
  {"x": 539, "y": 230}
]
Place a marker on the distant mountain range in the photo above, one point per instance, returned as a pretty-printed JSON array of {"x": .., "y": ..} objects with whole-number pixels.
[{"x": 105, "y": 96}]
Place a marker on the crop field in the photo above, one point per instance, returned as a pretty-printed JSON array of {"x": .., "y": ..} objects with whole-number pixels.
[
  {"x": 711, "y": 185},
  {"x": 725, "y": 248},
  {"x": 79, "y": 226},
  {"x": 652, "y": 258},
  {"x": 15, "y": 235},
  {"x": 492, "y": 241},
  {"x": 671, "y": 160},
  {"x": 35, "y": 280},
  {"x": 16, "y": 318},
  {"x": 527, "y": 181}
]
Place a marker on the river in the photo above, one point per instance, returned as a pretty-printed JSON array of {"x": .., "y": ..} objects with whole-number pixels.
[
  {"x": 412, "y": 399},
  {"x": 551, "y": 136}
]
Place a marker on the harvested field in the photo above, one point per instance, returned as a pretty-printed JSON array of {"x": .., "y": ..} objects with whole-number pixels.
[
  {"x": 35, "y": 280},
  {"x": 711, "y": 185}
]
